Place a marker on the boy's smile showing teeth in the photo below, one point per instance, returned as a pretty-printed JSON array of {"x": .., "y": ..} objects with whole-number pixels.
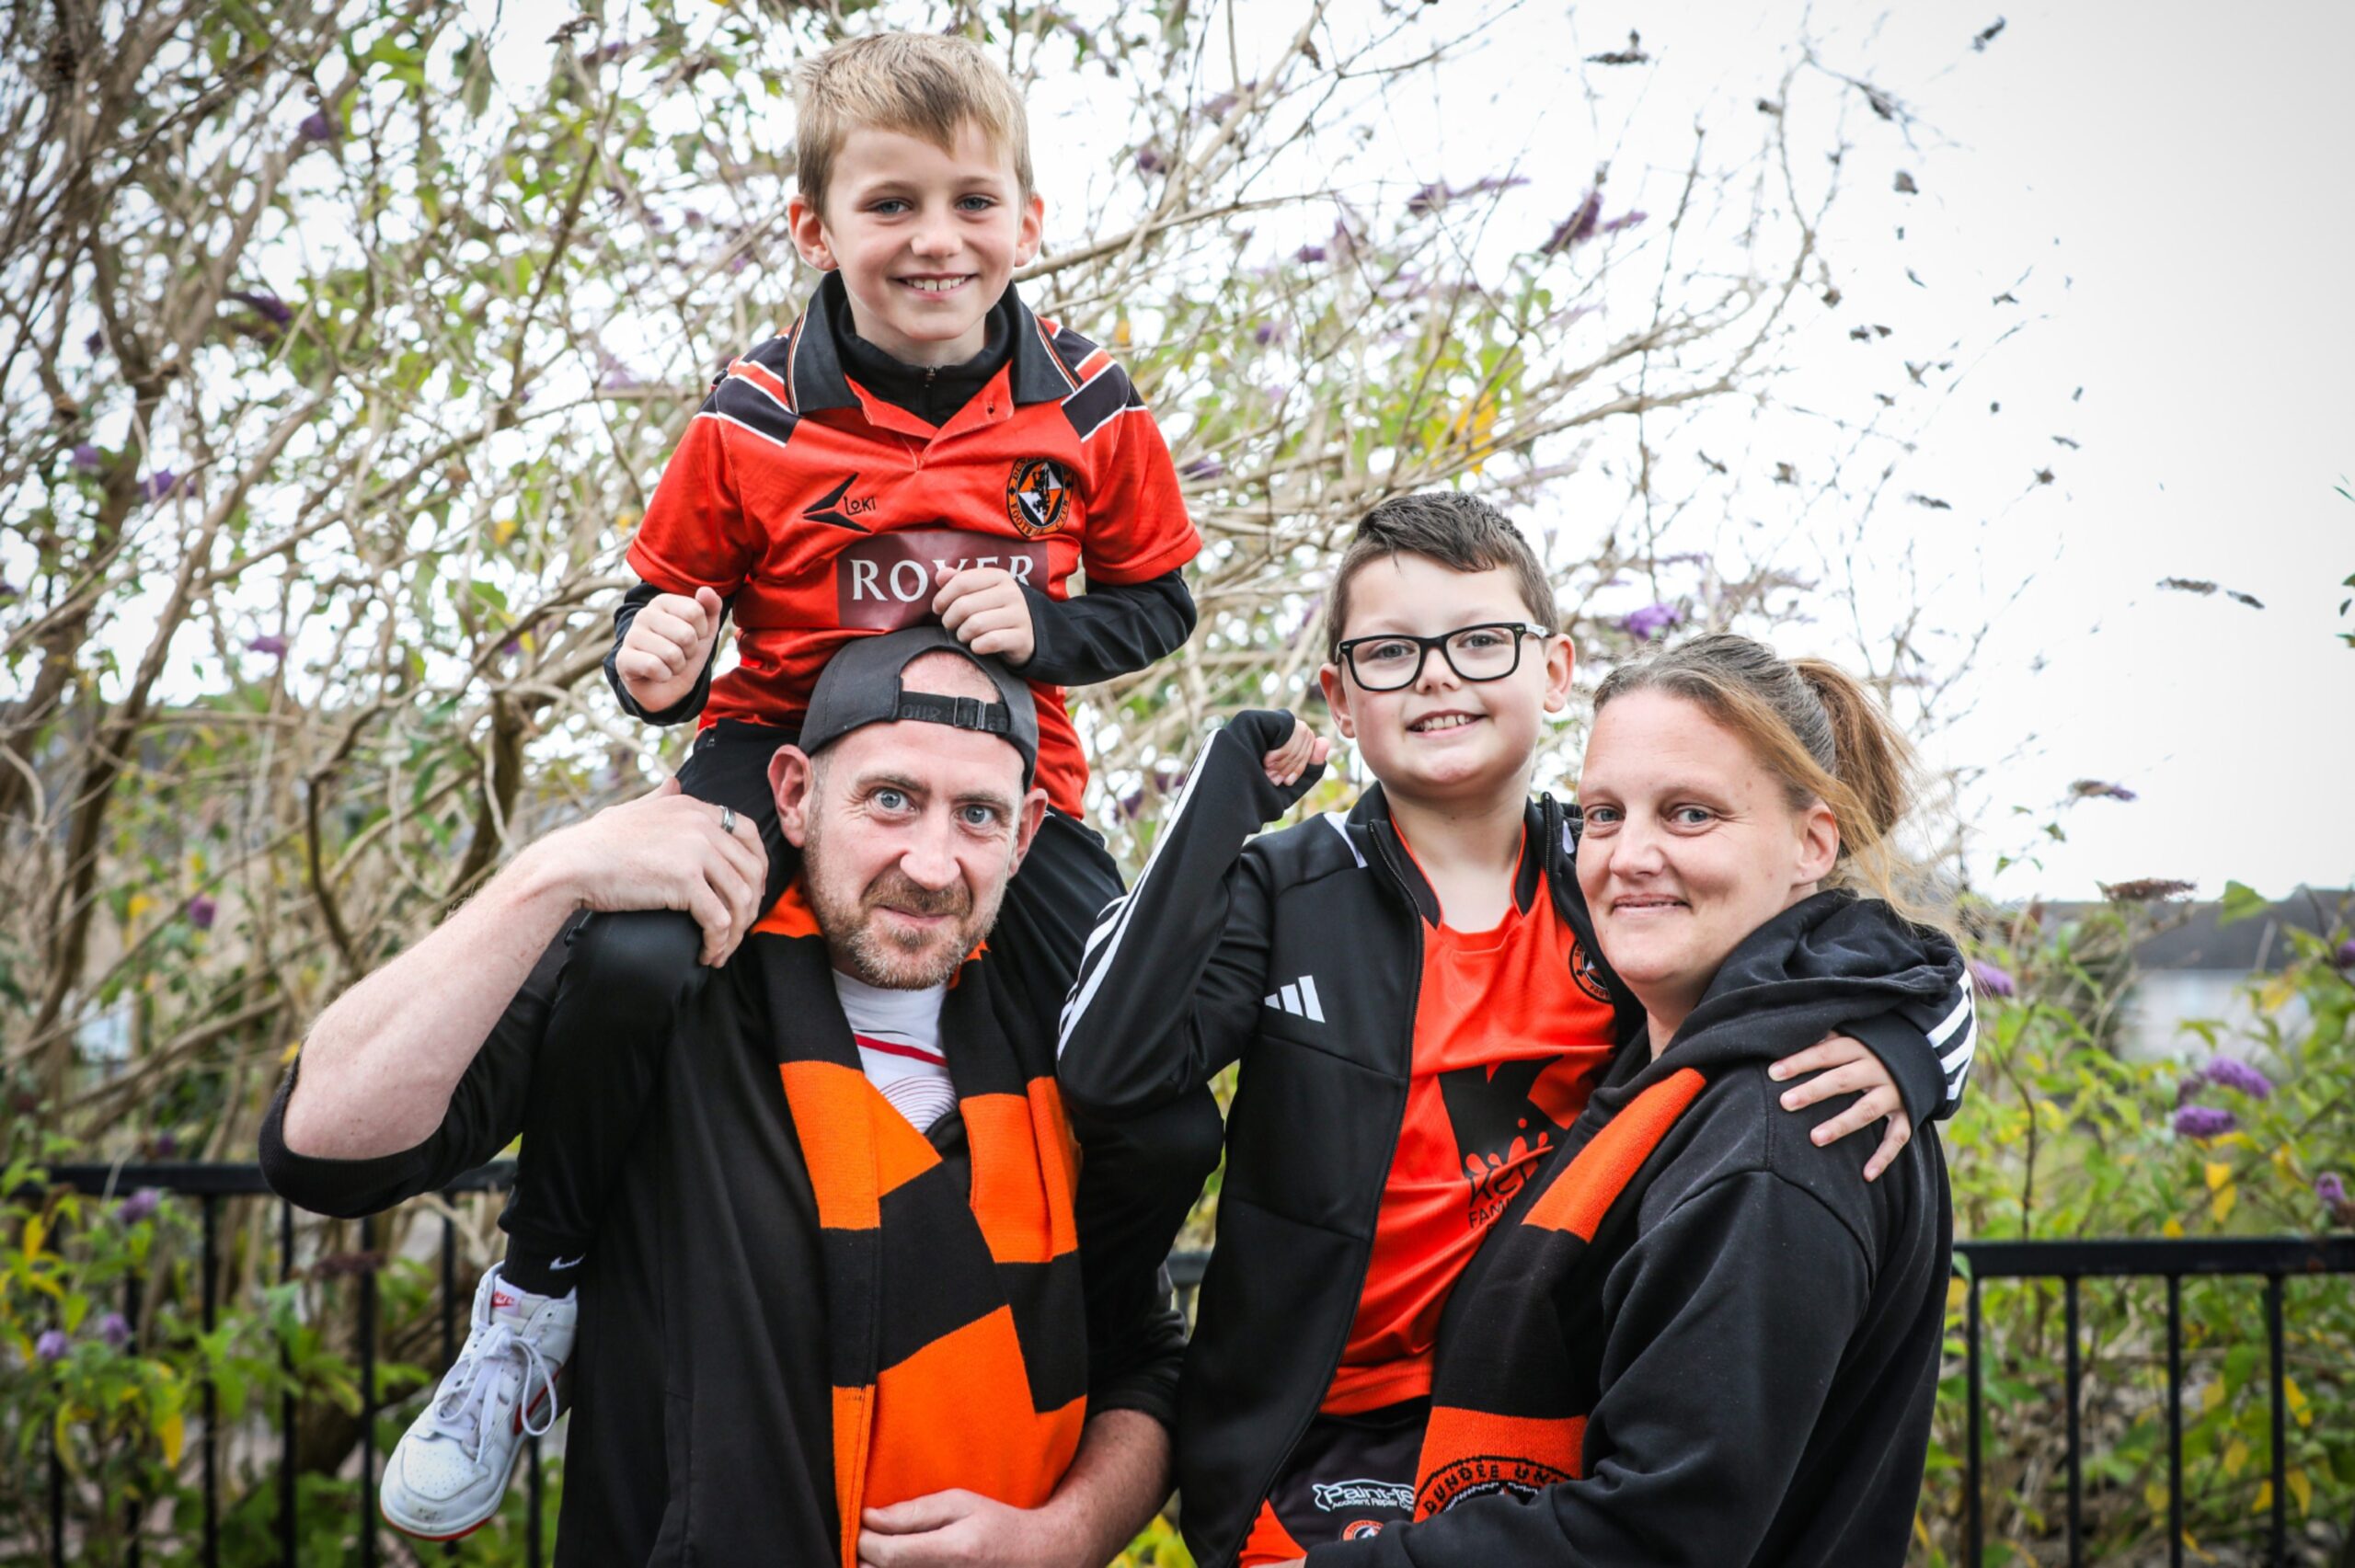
[
  {"x": 1433, "y": 724},
  {"x": 938, "y": 285}
]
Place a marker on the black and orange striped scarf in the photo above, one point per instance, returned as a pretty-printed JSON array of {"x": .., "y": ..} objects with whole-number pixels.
[
  {"x": 1515, "y": 1379},
  {"x": 957, "y": 1345}
]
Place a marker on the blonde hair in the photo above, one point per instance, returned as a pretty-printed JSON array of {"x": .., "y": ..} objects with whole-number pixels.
[
  {"x": 1814, "y": 728},
  {"x": 924, "y": 84}
]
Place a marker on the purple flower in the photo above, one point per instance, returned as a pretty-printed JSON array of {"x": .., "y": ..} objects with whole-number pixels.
[
  {"x": 95, "y": 342},
  {"x": 1429, "y": 200},
  {"x": 1267, "y": 332},
  {"x": 269, "y": 644},
  {"x": 86, "y": 458},
  {"x": 201, "y": 912},
  {"x": 160, "y": 484},
  {"x": 1626, "y": 220},
  {"x": 1217, "y": 107},
  {"x": 2204, "y": 1121},
  {"x": 1203, "y": 468},
  {"x": 115, "y": 1329},
  {"x": 1309, "y": 255},
  {"x": 511, "y": 648},
  {"x": 318, "y": 127},
  {"x": 1149, "y": 160},
  {"x": 1992, "y": 979},
  {"x": 2097, "y": 789},
  {"x": 164, "y": 1146},
  {"x": 139, "y": 1206},
  {"x": 1578, "y": 227},
  {"x": 2239, "y": 1076},
  {"x": 737, "y": 262},
  {"x": 2330, "y": 1189},
  {"x": 2345, "y": 956},
  {"x": 268, "y": 304},
  {"x": 52, "y": 1346},
  {"x": 1651, "y": 621},
  {"x": 692, "y": 217}
]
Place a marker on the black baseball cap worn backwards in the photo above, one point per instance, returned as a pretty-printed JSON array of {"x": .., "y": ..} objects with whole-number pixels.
[{"x": 860, "y": 685}]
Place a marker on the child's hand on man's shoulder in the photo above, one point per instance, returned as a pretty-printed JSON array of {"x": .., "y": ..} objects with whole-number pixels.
[{"x": 983, "y": 607}]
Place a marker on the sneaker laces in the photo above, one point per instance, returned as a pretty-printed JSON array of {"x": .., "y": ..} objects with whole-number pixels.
[{"x": 463, "y": 1409}]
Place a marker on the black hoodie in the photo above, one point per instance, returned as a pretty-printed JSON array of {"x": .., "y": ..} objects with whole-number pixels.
[{"x": 1752, "y": 1335}]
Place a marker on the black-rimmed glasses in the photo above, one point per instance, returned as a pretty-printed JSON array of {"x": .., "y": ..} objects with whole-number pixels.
[{"x": 1390, "y": 660}]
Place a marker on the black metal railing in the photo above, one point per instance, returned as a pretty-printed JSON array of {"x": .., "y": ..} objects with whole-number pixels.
[{"x": 2273, "y": 1261}]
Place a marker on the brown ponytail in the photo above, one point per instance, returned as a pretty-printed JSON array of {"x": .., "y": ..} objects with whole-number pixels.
[{"x": 1812, "y": 724}]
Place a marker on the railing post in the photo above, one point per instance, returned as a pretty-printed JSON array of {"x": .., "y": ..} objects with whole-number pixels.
[
  {"x": 209, "y": 1295},
  {"x": 131, "y": 1509},
  {"x": 449, "y": 1307},
  {"x": 368, "y": 1392},
  {"x": 287, "y": 1498},
  {"x": 2175, "y": 1421},
  {"x": 2281, "y": 1551},
  {"x": 2076, "y": 1454},
  {"x": 1974, "y": 1482},
  {"x": 534, "y": 1501}
]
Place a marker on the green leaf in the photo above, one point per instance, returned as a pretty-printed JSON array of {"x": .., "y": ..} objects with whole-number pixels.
[{"x": 2241, "y": 902}]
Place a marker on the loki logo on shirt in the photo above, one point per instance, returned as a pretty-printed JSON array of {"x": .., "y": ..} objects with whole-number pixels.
[{"x": 1038, "y": 496}]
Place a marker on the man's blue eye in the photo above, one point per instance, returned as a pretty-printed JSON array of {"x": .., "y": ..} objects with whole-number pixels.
[{"x": 891, "y": 799}]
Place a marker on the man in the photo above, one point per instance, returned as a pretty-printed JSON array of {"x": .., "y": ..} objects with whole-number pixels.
[{"x": 837, "y": 1311}]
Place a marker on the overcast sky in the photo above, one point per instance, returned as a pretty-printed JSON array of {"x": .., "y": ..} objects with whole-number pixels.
[{"x": 2164, "y": 186}]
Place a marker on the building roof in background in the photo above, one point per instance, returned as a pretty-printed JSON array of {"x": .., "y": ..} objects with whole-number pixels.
[{"x": 2194, "y": 937}]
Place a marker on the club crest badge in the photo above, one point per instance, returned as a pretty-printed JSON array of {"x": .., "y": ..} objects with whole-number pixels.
[{"x": 1038, "y": 496}]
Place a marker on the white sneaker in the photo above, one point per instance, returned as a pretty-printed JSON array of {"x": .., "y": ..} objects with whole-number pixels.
[{"x": 448, "y": 1472}]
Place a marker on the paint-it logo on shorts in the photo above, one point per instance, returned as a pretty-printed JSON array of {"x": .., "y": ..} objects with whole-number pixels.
[
  {"x": 1038, "y": 496},
  {"x": 885, "y": 581}
]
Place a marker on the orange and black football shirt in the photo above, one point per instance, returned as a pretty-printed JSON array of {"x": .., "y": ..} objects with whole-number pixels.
[
  {"x": 822, "y": 511},
  {"x": 1512, "y": 1030}
]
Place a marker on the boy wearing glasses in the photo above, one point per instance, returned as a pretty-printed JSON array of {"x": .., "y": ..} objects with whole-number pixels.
[{"x": 1415, "y": 997}]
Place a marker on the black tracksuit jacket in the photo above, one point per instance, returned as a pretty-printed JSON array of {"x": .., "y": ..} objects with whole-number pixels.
[{"x": 1185, "y": 975}]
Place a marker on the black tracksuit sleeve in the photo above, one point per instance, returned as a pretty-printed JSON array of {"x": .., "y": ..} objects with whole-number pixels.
[
  {"x": 1171, "y": 981},
  {"x": 1113, "y": 629},
  {"x": 1728, "y": 1318},
  {"x": 1927, "y": 1048},
  {"x": 1137, "y": 1180},
  {"x": 485, "y": 1114},
  {"x": 686, "y": 707}
]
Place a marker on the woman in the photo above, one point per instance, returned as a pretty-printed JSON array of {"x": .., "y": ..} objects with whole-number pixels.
[{"x": 1705, "y": 1339}]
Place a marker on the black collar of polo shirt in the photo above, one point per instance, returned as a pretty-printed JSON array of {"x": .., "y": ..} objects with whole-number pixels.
[{"x": 819, "y": 381}]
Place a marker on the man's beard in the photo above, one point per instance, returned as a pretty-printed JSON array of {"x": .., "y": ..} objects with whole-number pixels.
[{"x": 896, "y": 959}]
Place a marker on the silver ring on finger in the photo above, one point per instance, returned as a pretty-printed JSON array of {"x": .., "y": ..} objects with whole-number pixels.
[{"x": 728, "y": 821}]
